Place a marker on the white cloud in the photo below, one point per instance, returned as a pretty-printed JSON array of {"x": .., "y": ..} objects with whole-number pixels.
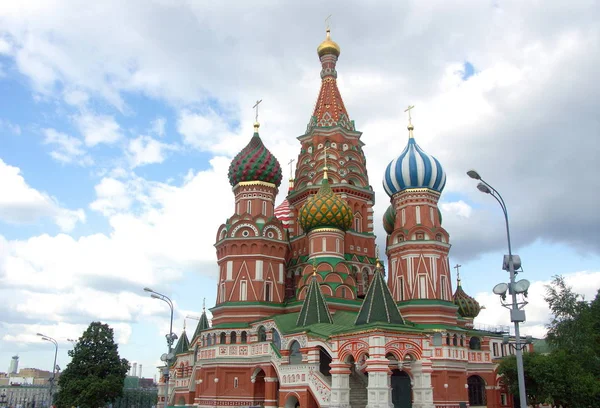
[
  {"x": 21, "y": 203},
  {"x": 208, "y": 131},
  {"x": 76, "y": 97},
  {"x": 146, "y": 150},
  {"x": 98, "y": 129},
  {"x": 11, "y": 127},
  {"x": 67, "y": 149},
  {"x": 537, "y": 312},
  {"x": 112, "y": 196},
  {"x": 157, "y": 126}
]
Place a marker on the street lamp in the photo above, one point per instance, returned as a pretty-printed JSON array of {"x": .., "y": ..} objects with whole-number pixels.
[
  {"x": 511, "y": 262},
  {"x": 3, "y": 398},
  {"x": 171, "y": 337},
  {"x": 53, "y": 341}
]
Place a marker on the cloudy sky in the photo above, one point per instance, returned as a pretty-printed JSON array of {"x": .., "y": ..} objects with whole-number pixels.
[{"x": 118, "y": 121}]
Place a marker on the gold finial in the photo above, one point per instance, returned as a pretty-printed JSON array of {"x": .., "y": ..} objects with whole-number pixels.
[
  {"x": 378, "y": 263},
  {"x": 410, "y": 125},
  {"x": 256, "y": 124},
  {"x": 457, "y": 267},
  {"x": 325, "y": 165},
  {"x": 291, "y": 169},
  {"x": 314, "y": 267},
  {"x": 328, "y": 46}
]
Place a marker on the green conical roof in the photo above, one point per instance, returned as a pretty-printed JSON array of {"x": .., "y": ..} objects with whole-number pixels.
[
  {"x": 314, "y": 309},
  {"x": 202, "y": 325},
  {"x": 378, "y": 305},
  {"x": 183, "y": 344}
]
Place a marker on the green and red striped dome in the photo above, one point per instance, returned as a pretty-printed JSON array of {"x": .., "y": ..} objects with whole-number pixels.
[
  {"x": 255, "y": 163},
  {"x": 389, "y": 219}
]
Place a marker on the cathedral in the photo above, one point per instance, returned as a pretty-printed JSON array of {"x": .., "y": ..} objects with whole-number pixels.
[{"x": 305, "y": 314}]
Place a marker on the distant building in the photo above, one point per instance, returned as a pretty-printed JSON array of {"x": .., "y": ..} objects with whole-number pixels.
[
  {"x": 35, "y": 373},
  {"x": 14, "y": 365}
]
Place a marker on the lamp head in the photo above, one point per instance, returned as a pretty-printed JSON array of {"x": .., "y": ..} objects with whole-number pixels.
[
  {"x": 40, "y": 334},
  {"x": 521, "y": 286},
  {"x": 146, "y": 289},
  {"x": 154, "y": 296},
  {"x": 500, "y": 290},
  {"x": 483, "y": 188},
  {"x": 473, "y": 174}
]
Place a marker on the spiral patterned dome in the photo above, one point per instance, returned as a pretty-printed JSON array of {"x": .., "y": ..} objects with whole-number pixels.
[
  {"x": 467, "y": 306},
  {"x": 389, "y": 219},
  {"x": 255, "y": 163},
  {"x": 413, "y": 169},
  {"x": 325, "y": 210}
]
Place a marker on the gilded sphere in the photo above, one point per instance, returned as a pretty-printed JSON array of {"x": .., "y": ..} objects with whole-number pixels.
[{"x": 328, "y": 47}]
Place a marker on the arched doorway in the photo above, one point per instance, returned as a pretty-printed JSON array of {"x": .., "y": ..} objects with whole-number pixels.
[
  {"x": 259, "y": 387},
  {"x": 324, "y": 361},
  {"x": 401, "y": 389},
  {"x": 476, "y": 391},
  {"x": 292, "y": 402}
]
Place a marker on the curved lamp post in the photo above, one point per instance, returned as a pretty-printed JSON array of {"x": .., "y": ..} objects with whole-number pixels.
[
  {"x": 170, "y": 339},
  {"x": 53, "y": 341},
  {"x": 511, "y": 262}
]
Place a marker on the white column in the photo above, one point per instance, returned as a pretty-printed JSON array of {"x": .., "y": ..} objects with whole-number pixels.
[
  {"x": 340, "y": 385},
  {"x": 422, "y": 389},
  {"x": 379, "y": 391}
]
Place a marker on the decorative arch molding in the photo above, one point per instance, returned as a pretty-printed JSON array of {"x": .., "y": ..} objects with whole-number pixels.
[
  {"x": 246, "y": 225},
  {"x": 354, "y": 348},
  {"x": 401, "y": 348},
  {"x": 276, "y": 231}
]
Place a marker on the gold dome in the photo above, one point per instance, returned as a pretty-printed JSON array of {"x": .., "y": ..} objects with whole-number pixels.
[{"x": 328, "y": 46}]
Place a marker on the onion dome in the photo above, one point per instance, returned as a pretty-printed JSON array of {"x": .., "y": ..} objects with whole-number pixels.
[
  {"x": 413, "y": 169},
  {"x": 389, "y": 219},
  {"x": 467, "y": 306},
  {"x": 325, "y": 210},
  {"x": 328, "y": 46},
  {"x": 284, "y": 214},
  {"x": 255, "y": 163}
]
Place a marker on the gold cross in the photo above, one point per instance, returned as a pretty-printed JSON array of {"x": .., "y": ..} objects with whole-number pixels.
[
  {"x": 327, "y": 22},
  {"x": 291, "y": 171},
  {"x": 325, "y": 153},
  {"x": 408, "y": 110},
  {"x": 457, "y": 267},
  {"x": 203, "y": 305},
  {"x": 256, "y": 107}
]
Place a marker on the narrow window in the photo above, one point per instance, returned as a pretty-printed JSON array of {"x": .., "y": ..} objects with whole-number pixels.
[
  {"x": 268, "y": 288},
  {"x": 324, "y": 244},
  {"x": 403, "y": 217},
  {"x": 264, "y": 208},
  {"x": 431, "y": 215},
  {"x": 243, "y": 290},
  {"x": 443, "y": 287},
  {"x": 235, "y": 382},
  {"x": 495, "y": 347},
  {"x": 337, "y": 245},
  {"x": 401, "y": 288},
  {"x": 244, "y": 337},
  {"x": 418, "y": 214},
  {"x": 223, "y": 338},
  {"x": 344, "y": 292},
  {"x": 249, "y": 207},
  {"x": 237, "y": 207},
  {"x": 422, "y": 287},
  {"x": 222, "y": 292}
]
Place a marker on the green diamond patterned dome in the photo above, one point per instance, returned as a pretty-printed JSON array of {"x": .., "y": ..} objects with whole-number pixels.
[
  {"x": 389, "y": 219},
  {"x": 325, "y": 210},
  {"x": 255, "y": 163},
  {"x": 467, "y": 306}
]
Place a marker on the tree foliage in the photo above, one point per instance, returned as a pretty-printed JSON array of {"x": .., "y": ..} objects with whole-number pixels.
[
  {"x": 95, "y": 375},
  {"x": 568, "y": 376},
  {"x": 137, "y": 398}
]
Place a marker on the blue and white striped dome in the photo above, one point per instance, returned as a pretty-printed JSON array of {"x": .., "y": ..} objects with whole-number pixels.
[{"x": 413, "y": 169}]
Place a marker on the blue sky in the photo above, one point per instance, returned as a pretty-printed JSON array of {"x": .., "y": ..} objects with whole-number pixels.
[{"x": 115, "y": 141}]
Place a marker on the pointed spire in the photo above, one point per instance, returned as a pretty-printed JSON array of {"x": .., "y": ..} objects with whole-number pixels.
[
  {"x": 314, "y": 309},
  {"x": 378, "y": 305},
  {"x": 183, "y": 344},
  {"x": 203, "y": 322}
]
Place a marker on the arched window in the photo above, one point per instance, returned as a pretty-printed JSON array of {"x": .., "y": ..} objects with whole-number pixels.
[
  {"x": 476, "y": 390},
  {"x": 262, "y": 334},
  {"x": 214, "y": 339},
  {"x": 223, "y": 338},
  {"x": 455, "y": 340},
  {"x": 447, "y": 339},
  {"x": 475, "y": 343},
  {"x": 208, "y": 340},
  {"x": 244, "y": 337},
  {"x": 295, "y": 354},
  {"x": 462, "y": 341},
  {"x": 437, "y": 339},
  {"x": 276, "y": 339},
  {"x": 233, "y": 337}
]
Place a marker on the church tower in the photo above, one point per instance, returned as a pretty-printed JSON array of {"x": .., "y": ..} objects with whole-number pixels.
[
  {"x": 417, "y": 244},
  {"x": 252, "y": 244},
  {"x": 332, "y": 138}
]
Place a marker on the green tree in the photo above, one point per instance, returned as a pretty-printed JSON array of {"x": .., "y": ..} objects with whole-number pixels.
[
  {"x": 569, "y": 376},
  {"x": 95, "y": 375}
]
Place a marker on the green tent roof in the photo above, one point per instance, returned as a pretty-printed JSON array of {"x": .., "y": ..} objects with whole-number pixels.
[
  {"x": 314, "y": 309},
  {"x": 183, "y": 344},
  {"x": 378, "y": 305},
  {"x": 202, "y": 325}
]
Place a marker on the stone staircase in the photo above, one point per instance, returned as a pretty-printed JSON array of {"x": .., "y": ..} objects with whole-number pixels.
[{"x": 358, "y": 390}]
